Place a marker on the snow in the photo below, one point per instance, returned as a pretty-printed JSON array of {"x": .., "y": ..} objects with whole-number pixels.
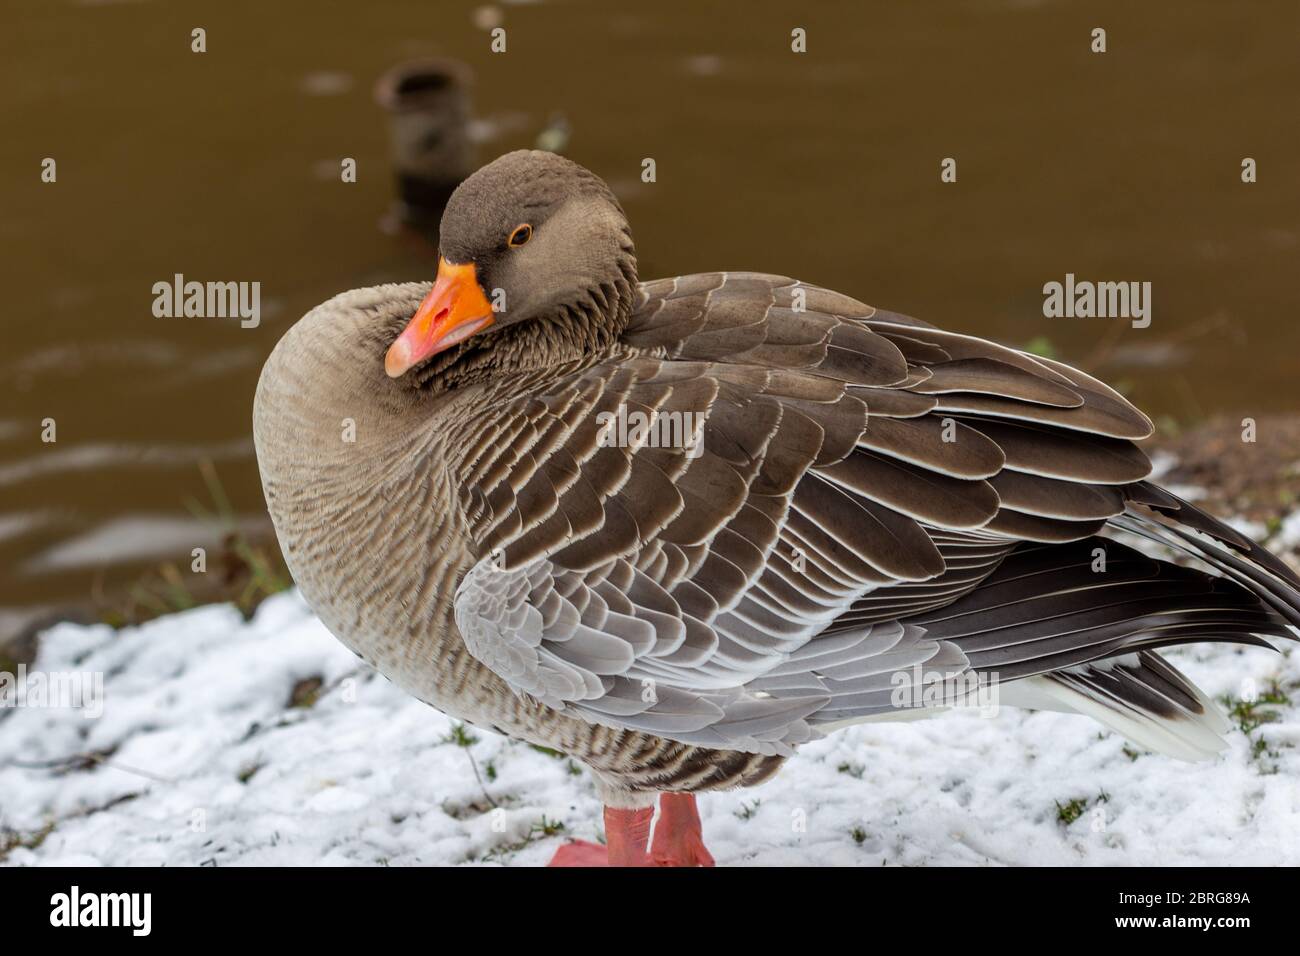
[
  {"x": 1288, "y": 535},
  {"x": 204, "y": 761}
]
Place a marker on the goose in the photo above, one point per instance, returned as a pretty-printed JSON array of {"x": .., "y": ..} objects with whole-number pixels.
[{"x": 867, "y": 518}]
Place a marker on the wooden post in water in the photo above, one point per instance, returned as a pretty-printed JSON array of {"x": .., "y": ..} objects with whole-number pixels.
[{"x": 428, "y": 106}]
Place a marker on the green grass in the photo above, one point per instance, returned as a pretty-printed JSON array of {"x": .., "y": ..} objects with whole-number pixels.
[
  {"x": 537, "y": 831},
  {"x": 1251, "y": 715},
  {"x": 1041, "y": 345},
  {"x": 1071, "y": 810},
  {"x": 238, "y": 571},
  {"x": 1259, "y": 749},
  {"x": 262, "y": 575},
  {"x": 460, "y": 736},
  {"x": 545, "y": 828}
]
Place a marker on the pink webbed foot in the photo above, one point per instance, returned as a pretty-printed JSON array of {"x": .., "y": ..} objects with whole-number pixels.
[
  {"x": 626, "y": 834},
  {"x": 581, "y": 853},
  {"x": 678, "y": 839}
]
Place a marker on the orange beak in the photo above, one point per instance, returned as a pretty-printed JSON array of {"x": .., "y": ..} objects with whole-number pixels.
[{"x": 454, "y": 309}]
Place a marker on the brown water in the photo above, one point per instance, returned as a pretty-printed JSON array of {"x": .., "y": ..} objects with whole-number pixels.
[{"x": 823, "y": 166}]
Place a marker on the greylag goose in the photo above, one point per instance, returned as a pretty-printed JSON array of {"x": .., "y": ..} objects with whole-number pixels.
[{"x": 674, "y": 529}]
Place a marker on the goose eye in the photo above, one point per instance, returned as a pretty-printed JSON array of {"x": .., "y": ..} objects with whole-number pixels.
[{"x": 521, "y": 235}]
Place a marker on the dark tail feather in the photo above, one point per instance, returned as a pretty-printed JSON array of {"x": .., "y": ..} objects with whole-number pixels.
[
  {"x": 1160, "y": 516},
  {"x": 1064, "y": 631},
  {"x": 1045, "y": 609}
]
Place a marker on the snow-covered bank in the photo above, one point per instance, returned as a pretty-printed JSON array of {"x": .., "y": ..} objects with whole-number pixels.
[{"x": 200, "y": 758}]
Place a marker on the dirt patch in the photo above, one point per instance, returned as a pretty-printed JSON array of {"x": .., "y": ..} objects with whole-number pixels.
[{"x": 1258, "y": 480}]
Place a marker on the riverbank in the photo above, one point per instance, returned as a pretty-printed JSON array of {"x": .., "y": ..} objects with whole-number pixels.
[{"x": 233, "y": 742}]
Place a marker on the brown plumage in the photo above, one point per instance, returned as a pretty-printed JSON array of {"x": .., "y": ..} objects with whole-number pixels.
[{"x": 820, "y": 497}]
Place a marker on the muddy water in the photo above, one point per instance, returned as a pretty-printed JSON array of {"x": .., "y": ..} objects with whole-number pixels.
[{"x": 1123, "y": 166}]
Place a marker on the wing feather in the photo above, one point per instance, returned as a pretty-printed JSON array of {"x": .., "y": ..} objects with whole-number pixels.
[{"x": 861, "y": 500}]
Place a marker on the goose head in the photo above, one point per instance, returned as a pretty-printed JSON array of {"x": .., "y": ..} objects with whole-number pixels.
[{"x": 536, "y": 265}]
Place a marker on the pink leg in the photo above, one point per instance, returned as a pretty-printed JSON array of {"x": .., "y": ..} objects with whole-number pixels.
[
  {"x": 678, "y": 840},
  {"x": 626, "y": 835}
]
